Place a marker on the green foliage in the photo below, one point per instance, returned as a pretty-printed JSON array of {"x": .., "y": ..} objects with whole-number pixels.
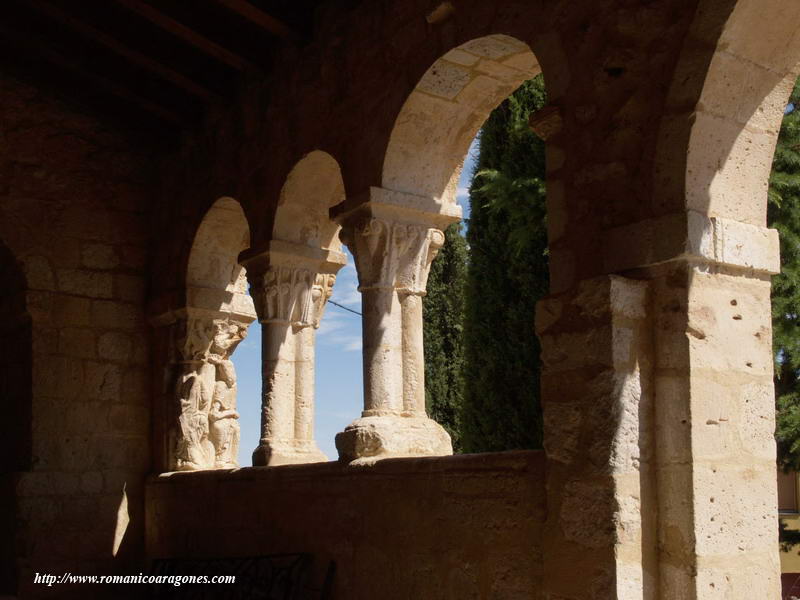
[
  {"x": 783, "y": 214},
  {"x": 789, "y": 538},
  {"x": 443, "y": 317},
  {"x": 507, "y": 274}
]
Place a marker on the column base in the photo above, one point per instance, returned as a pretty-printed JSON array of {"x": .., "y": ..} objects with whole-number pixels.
[
  {"x": 287, "y": 452},
  {"x": 369, "y": 439}
]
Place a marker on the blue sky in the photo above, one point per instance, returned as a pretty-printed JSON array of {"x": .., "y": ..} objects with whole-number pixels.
[{"x": 339, "y": 391}]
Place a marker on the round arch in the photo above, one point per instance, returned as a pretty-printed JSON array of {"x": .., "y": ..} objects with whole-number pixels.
[
  {"x": 205, "y": 433},
  {"x": 214, "y": 276},
  {"x": 312, "y": 187},
  {"x": 444, "y": 112},
  {"x": 734, "y": 125}
]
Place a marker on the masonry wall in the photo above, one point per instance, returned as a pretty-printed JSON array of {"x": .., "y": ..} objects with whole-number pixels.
[
  {"x": 462, "y": 527},
  {"x": 74, "y": 200}
]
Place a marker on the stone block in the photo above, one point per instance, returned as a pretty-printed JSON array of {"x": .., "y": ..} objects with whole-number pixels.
[
  {"x": 736, "y": 508},
  {"x": 130, "y": 288},
  {"x": 70, "y": 311},
  {"x": 39, "y": 273},
  {"x": 99, "y": 256},
  {"x": 445, "y": 80},
  {"x": 58, "y": 377},
  {"x": 116, "y": 315},
  {"x": 114, "y": 345},
  {"x": 103, "y": 381},
  {"x": 79, "y": 343},
  {"x": 460, "y": 57},
  {"x": 93, "y": 284}
]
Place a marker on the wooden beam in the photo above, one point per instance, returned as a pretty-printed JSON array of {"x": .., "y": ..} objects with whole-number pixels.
[
  {"x": 188, "y": 35},
  {"x": 259, "y": 17},
  {"x": 38, "y": 46},
  {"x": 134, "y": 56}
]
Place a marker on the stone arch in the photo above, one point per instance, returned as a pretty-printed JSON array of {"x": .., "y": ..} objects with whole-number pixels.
[
  {"x": 707, "y": 252},
  {"x": 205, "y": 432},
  {"x": 726, "y": 143},
  {"x": 446, "y": 109},
  {"x": 293, "y": 277},
  {"x": 396, "y": 230},
  {"x": 214, "y": 278},
  {"x": 312, "y": 187},
  {"x": 16, "y": 385}
]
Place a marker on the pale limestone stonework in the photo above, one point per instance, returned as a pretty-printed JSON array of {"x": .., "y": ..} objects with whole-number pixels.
[
  {"x": 291, "y": 284},
  {"x": 657, "y": 480},
  {"x": 393, "y": 240},
  {"x": 209, "y": 431},
  {"x": 205, "y": 333}
]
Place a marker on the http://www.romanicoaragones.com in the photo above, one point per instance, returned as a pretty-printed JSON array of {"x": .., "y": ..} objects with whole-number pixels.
[{"x": 49, "y": 579}]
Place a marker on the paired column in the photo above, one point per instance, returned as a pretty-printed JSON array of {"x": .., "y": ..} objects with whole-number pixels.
[
  {"x": 290, "y": 284},
  {"x": 393, "y": 246}
]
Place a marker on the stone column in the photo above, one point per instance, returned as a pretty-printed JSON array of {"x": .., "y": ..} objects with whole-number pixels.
[
  {"x": 412, "y": 284},
  {"x": 290, "y": 284},
  {"x": 202, "y": 428},
  {"x": 659, "y": 417},
  {"x": 393, "y": 243}
]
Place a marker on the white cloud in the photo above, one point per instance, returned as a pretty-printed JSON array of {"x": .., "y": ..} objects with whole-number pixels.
[
  {"x": 344, "y": 338},
  {"x": 331, "y": 322}
]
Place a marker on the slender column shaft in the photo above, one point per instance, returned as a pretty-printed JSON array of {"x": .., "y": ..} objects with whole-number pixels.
[
  {"x": 304, "y": 384},
  {"x": 413, "y": 356},
  {"x": 278, "y": 381},
  {"x": 383, "y": 352}
]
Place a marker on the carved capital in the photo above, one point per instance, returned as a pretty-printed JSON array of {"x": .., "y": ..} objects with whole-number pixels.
[
  {"x": 291, "y": 283},
  {"x": 320, "y": 294},
  {"x": 284, "y": 294},
  {"x": 202, "y": 333},
  {"x": 392, "y": 255},
  {"x": 413, "y": 275}
]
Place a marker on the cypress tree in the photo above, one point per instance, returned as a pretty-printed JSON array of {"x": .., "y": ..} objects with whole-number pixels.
[
  {"x": 783, "y": 214},
  {"x": 443, "y": 316},
  {"x": 507, "y": 274}
]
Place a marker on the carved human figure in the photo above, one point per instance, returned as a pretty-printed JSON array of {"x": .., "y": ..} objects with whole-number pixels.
[
  {"x": 208, "y": 435},
  {"x": 195, "y": 390},
  {"x": 192, "y": 453},
  {"x": 223, "y": 421}
]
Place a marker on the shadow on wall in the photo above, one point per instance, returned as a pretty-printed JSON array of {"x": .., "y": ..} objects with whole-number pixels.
[{"x": 15, "y": 392}]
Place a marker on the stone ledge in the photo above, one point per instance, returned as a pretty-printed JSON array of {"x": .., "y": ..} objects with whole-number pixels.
[
  {"x": 694, "y": 237},
  {"x": 490, "y": 462},
  {"x": 402, "y": 206}
]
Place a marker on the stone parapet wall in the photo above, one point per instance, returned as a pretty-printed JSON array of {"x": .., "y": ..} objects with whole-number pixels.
[{"x": 453, "y": 527}]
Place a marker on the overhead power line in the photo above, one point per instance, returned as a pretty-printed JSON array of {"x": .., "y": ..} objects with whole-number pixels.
[{"x": 355, "y": 312}]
